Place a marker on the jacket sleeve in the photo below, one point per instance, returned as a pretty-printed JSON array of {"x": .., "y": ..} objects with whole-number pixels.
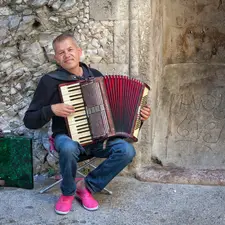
[{"x": 39, "y": 112}]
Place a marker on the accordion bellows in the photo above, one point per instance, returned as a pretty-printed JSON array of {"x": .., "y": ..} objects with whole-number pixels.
[{"x": 104, "y": 107}]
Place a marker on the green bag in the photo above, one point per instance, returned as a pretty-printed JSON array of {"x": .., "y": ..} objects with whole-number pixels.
[{"x": 16, "y": 162}]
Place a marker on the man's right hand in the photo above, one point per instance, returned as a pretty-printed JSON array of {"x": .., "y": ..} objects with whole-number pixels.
[{"x": 62, "y": 109}]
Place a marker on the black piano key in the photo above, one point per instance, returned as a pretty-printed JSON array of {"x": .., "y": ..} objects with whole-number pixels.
[
  {"x": 80, "y": 119},
  {"x": 75, "y": 98},
  {"x": 81, "y": 125},
  {"x": 77, "y": 95},
  {"x": 78, "y": 106},
  {"x": 77, "y": 117},
  {"x": 83, "y": 131},
  {"x": 86, "y": 141},
  {"x": 73, "y": 88},
  {"x": 80, "y": 110},
  {"x": 82, "y": 128},
  {"x": 85, "y": 137}
]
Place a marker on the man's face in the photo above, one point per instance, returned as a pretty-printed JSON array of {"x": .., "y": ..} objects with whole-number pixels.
[{"x": 67, "y": 53}]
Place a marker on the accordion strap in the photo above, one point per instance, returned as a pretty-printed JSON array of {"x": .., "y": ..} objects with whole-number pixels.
[{"x": 105, "y": 143}]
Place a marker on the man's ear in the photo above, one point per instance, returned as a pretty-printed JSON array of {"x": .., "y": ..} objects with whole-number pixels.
[
  {"x": 80, "y": 51},
  {"x": 55, "y": 58}
]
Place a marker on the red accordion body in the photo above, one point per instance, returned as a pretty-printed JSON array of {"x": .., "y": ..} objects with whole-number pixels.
[{"x": 104, "y": 107}]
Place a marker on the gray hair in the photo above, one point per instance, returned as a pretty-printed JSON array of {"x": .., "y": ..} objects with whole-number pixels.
[{"x": 63, "y": 37}]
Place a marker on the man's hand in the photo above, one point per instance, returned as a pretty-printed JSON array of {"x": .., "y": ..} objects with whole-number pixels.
[
  {"x": 62, "y": 109},
  {"x": 145, "y": 112}
]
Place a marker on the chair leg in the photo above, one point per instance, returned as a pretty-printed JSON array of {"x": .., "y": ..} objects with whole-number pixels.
[
  {"x": 93, "y": 166},
  {"x": 50, "y": 186},
  {"x": 58, "y": 181},
  {"x": 105, "y": 189}
]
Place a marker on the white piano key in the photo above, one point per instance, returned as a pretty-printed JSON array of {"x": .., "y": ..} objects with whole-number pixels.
[
  {"x": 78, "y": 121},
  {"x": 72, "y": 97},
  {"x": 78, "y": 106},
  {"x": 79, "y": 113},
  {"x": 86, "y": 139},
  {"x": 67, "y": 89},
  {"x": 79, "y": 129},
  {"x": 85, "y": 134},
  {"x": 79, "y": 109},
  {"x": 73, "y": 128},
  {"x": 71, "y": 102},
  {"x": 81, "y": 121},
  {"x": 84, "y": 126},
  {"x": 79, "y": 138},
  {"x": 83, "y": 131}
]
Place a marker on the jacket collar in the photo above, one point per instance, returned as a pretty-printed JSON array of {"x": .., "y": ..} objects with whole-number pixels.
[{"x": 64, "y": 75}]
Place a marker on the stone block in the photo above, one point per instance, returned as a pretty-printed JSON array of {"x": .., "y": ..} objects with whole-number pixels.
[
  {"x": 5, "y": 11},
  {"x": 121, "y": 42},
  {"x": 32, "y": 54},
  {"x": 193, "y": 32},
  {"x": 189, "y": 128},
  {"x": 112, "y": 69},
  {"x": 37, "y": 3},
  {"x": 179, "y": 175},
  {"x": 109, "y": 9}
]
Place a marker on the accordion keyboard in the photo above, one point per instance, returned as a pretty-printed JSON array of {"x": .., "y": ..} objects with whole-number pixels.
[{"x": 77, "y": 121}]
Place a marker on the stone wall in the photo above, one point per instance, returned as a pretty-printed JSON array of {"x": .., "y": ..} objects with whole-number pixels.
[
  {"x": 109, "y": 33},
  {"x": 176, "y": 46},
  {"x": 189, "y": 128}
]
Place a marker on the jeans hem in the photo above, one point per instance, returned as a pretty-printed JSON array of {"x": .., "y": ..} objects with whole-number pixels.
[{"x": 89, "y": 187}]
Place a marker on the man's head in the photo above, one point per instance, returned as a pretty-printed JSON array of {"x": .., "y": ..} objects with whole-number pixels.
[{"x": 67, "y": 52}]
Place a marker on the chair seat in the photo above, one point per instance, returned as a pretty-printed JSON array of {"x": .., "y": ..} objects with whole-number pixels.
[{"x": 83, "y": 157}]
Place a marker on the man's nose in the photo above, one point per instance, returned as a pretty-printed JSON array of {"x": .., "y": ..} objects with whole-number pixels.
[{"x": 66, "y": 54}]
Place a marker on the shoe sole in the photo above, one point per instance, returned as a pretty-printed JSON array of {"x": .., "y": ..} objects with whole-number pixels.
[
  {"x": 61, "y": 213},
  {"x": 89, "y": 209}
]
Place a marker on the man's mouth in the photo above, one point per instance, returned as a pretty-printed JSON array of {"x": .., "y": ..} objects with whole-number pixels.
[{"x": 68, "y": 60}]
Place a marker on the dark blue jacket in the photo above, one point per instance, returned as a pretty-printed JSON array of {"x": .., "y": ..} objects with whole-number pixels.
[{"x": 47, "y": 93}]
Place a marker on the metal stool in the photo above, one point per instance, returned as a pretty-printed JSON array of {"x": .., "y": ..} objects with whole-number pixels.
[{"x": 90, "y": 159}]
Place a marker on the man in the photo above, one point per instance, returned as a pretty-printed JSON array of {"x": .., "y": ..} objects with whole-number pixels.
[{"x": 46, "y": 105}]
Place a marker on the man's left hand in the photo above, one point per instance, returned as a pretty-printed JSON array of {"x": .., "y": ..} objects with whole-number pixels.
[{"x": 145, "y": 112}]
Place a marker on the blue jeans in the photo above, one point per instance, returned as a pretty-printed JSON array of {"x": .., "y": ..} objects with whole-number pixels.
[{"x": 118, "y": 154}]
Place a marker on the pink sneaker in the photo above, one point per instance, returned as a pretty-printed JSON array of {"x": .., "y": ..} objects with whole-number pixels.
[
  {"x": 64, "y": 204},
  {"x": 87, "y": 199}
]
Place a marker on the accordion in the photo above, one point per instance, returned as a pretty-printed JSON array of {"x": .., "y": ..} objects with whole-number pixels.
[{"x": 105, "y": 107}]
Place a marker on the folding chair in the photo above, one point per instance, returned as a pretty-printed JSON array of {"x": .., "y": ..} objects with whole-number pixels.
[{"x": 82, "y": 158}]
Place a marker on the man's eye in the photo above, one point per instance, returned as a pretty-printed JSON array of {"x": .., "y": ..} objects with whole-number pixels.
[{"x": 70, "y": 49}]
